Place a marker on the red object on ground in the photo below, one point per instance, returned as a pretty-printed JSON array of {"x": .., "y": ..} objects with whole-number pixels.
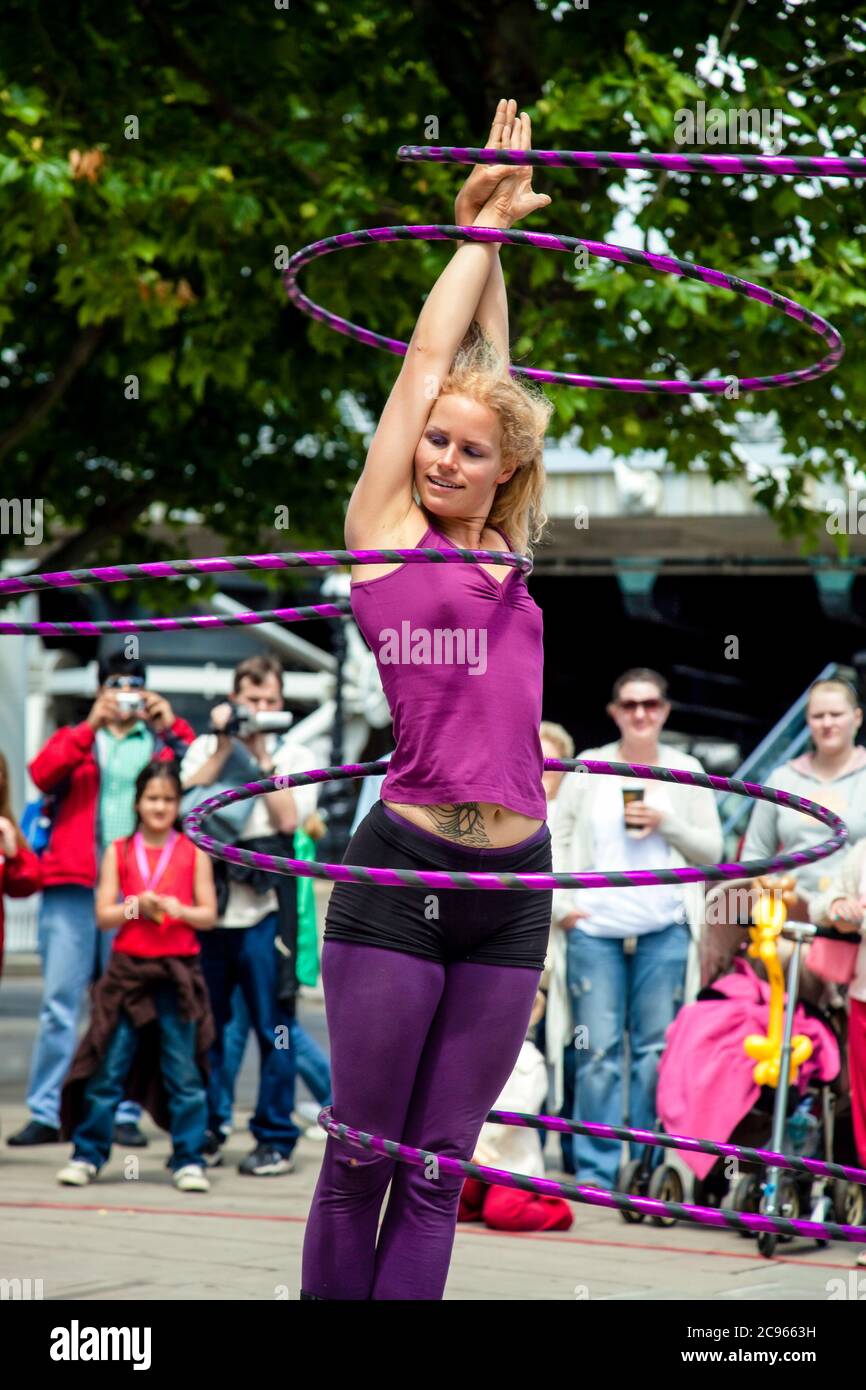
[{"x": 512, "y": 1209}]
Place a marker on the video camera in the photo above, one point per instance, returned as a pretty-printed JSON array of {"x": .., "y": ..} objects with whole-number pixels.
[{"x": 245, "y": 721}]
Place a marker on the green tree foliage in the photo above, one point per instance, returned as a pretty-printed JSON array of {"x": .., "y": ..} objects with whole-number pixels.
[{"x": 154, "y": 158}]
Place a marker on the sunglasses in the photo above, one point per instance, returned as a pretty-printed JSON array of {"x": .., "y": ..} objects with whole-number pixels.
[
  {"x": 652, "y": 706},
  {"x": 124, "y": 682}
]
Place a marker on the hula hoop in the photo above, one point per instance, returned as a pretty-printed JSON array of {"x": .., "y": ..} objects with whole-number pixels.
[
  {"x": 87, "y": 629},
  {"x": 821, "y": 167},
  {"x": 607, "y": 251},
  {"x": 816, "y": 1167},
  {"x": 824, "y": 167},
  {"x": 220, "y": 564},
  {"x": 452, "y": 878},
  {"x": 172, "y": 569},
  {"x": 273, "y": 560},
  {"x": 593, "y": 1196}
]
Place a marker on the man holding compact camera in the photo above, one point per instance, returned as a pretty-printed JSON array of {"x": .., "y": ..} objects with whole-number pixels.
[
  {"x": 90, "y": 771},
  {"x": 257, "y": 925}
]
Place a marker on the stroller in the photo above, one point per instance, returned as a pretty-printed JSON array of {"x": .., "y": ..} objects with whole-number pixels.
[{"x": 710, "y": 1086}]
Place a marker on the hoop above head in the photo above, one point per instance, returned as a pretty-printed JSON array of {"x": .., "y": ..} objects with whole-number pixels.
[
  {"x": 451, "y": 878},
  {"x": 605, "y": 250},
  {"x": 819, "y": 167}
]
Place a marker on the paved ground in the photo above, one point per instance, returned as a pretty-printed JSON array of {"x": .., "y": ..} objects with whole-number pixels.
[{"x": 138, "y": 1238}]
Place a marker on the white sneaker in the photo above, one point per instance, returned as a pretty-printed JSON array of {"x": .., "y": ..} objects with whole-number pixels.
[
  {"x": 316, "y": 1132},
  {"x": 77, "y": 1173},
  {"x": 191, "y": 1178}
]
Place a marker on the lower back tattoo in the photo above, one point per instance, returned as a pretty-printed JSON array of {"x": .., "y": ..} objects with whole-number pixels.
[{"x": 462, "y": 821}]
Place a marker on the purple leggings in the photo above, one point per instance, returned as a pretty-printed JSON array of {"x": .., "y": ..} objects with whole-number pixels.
[{"x": 420, "y": 1052}]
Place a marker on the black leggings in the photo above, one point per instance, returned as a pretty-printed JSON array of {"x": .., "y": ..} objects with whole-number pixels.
[{"x": 484, "y": 926}]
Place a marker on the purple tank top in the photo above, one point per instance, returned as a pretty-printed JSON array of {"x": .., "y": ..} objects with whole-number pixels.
[{"x": 460, "y": 657}]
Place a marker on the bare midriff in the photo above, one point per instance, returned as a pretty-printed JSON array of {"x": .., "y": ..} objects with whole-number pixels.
[{"x": 476, "y": 824}]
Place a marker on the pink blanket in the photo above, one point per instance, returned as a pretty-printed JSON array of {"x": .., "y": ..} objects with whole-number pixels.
[{"x": 705, "y": 1078}]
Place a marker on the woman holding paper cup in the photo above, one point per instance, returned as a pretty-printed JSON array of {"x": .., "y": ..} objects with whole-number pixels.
[{"x": 631, "y": 953}]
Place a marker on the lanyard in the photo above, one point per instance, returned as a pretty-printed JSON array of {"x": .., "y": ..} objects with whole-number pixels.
[{"x": 148, "y": 879}]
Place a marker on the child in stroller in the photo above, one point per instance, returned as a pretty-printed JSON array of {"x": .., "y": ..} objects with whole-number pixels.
[{"x": 707, "y": 1086}]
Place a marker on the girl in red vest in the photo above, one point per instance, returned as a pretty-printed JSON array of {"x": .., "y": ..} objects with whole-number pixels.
[{"x": 151, "y": 1023}]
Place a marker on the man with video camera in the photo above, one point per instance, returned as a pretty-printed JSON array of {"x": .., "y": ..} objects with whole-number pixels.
[{"x": 254, "y": 943}]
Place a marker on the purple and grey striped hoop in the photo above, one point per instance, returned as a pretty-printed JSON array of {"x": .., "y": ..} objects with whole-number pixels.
[
  {"x": 170, "y": 569},
  {"x": 821, "y": 168},
  {"x": 221, "y": 564},
  {"x": 815, "y": 1167},
  {"x": 594, "y": 1196},
  {"x": 452, "y": 878},
  {"x": 205, "y": 620}
]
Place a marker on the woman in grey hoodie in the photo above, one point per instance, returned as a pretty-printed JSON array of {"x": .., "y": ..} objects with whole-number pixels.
[{"x": 833, "y": 774}]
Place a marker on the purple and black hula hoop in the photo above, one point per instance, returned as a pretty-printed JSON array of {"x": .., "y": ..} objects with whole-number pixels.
[
  {"x": 452, "y": 878},
  {"x": 599, "y": 1196},
  {"x": 221, "y": 564},
  {"x": 821, "y": 168},
  {"x": 399, "y": 878}
]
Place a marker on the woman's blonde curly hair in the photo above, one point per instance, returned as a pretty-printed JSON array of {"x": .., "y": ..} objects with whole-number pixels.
[{"x": 478, "y": 371}]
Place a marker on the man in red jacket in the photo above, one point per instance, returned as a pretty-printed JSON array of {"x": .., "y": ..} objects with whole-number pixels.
[{"x": 91, "y": 767}]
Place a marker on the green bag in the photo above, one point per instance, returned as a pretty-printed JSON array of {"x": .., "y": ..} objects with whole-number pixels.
[{"x": 307, "y": 963}]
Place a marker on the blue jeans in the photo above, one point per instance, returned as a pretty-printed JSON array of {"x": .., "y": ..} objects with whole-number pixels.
[
  {"x": 611, "y": 993},
  {"x": 247, "y": 957},
  {"x": 311, "y": 1064},
  {"x": 187, "y": 1102},
  {"x": 74, "y": 952}
]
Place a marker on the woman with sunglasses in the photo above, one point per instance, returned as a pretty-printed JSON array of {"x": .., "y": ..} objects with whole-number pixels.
[{"x": 630, "y": 955}]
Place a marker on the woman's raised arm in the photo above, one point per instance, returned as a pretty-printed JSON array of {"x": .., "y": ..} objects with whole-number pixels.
[
  {"x": 382, "y": 496},
  {"x": 508, "y": 131}
]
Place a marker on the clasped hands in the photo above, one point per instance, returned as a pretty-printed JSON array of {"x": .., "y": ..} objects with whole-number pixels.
[
  {"x": 157, "y": 905},
  {"x": 498, "y": 195}
]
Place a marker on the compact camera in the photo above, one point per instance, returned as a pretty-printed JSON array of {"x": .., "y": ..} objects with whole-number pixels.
[{"x": 129, "y": 702}]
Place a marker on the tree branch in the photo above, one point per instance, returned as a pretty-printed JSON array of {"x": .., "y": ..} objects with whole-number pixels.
[
  {"x": 48, "y": 395},
  {"x": 732, "y": 23},
  {"x": 807, "y": 72},
  {"x": 76, "y": 550}
]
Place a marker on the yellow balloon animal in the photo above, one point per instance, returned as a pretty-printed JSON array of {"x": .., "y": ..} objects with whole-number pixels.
[{"x": 768, "y": 918}]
